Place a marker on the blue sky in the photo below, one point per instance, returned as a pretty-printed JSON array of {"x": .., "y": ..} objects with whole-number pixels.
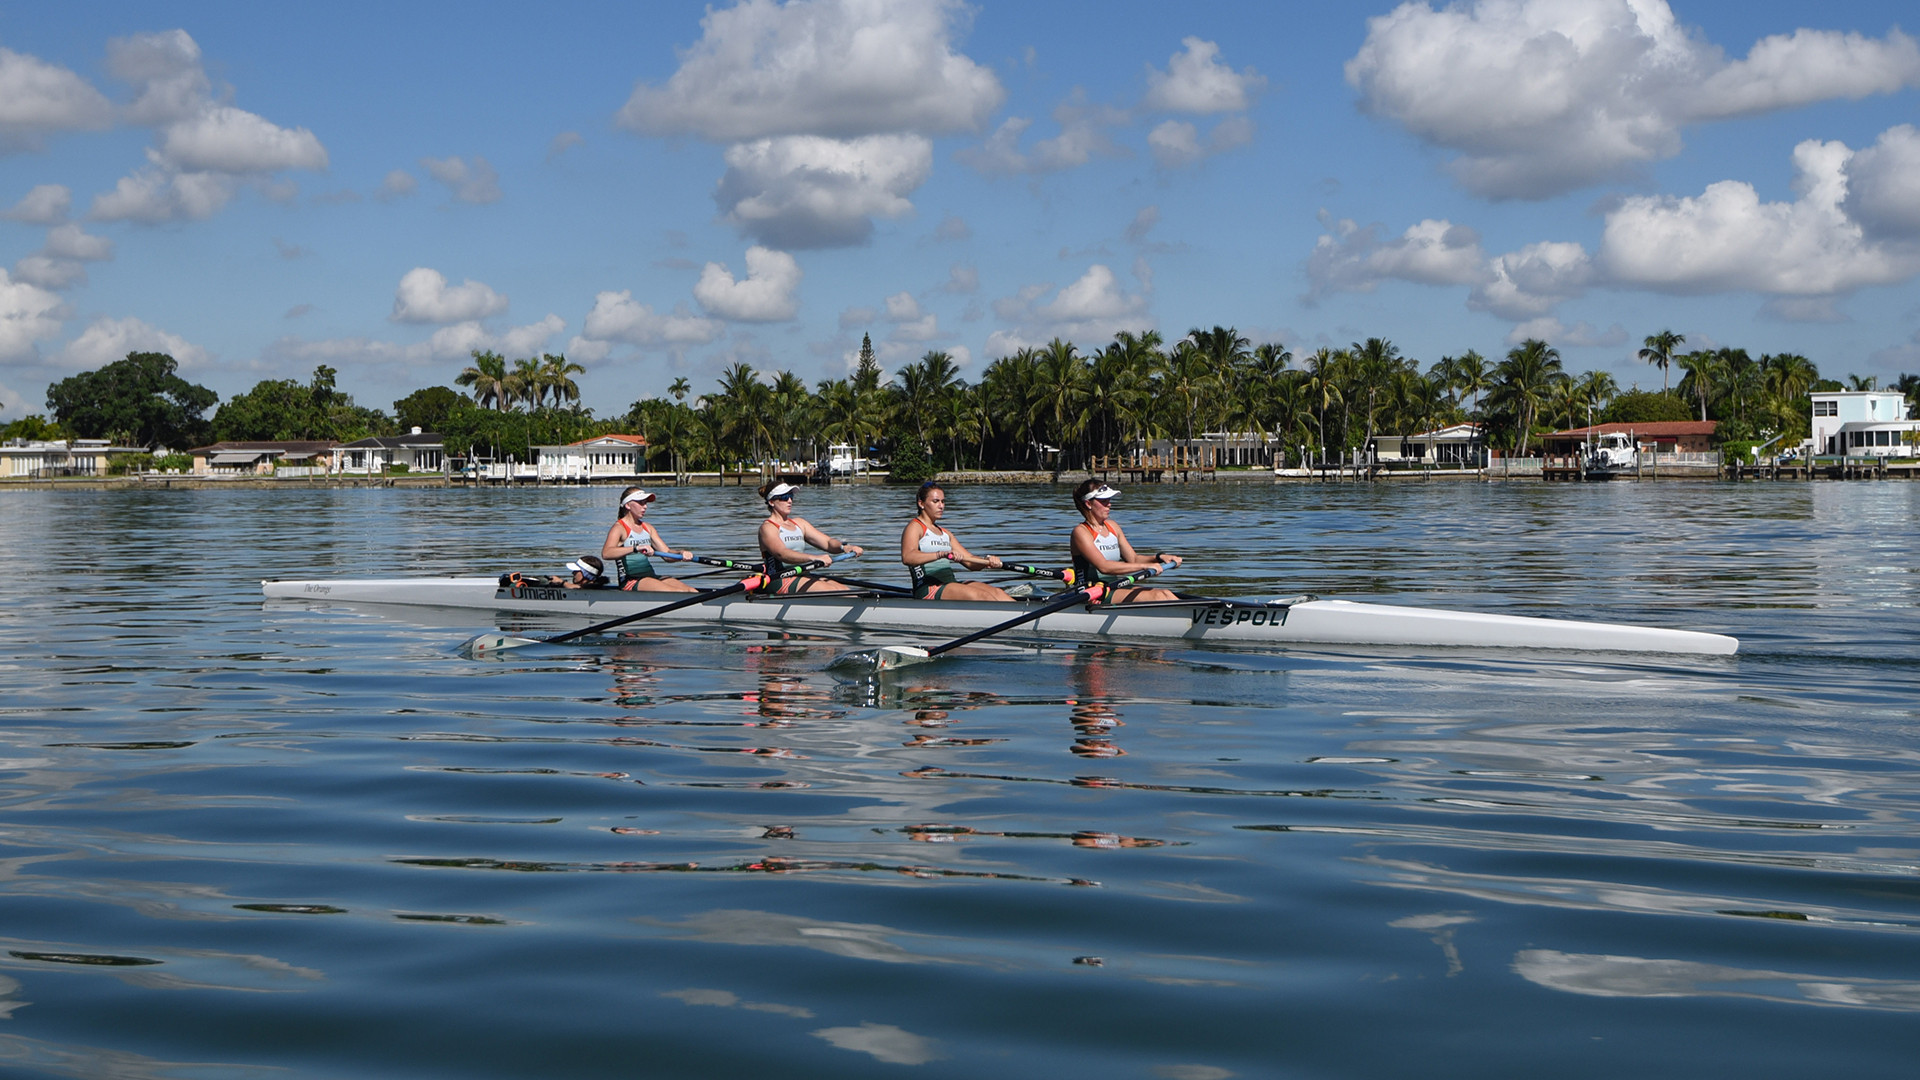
[{"x": 659, "y": 190}]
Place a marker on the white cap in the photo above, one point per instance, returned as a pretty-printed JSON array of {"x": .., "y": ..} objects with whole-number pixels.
[
  {"x": 1103, "y": 492},
  {"x": 580, "y": 566},
  {"x": 639, "y": 497},
  {"x": 780, "y": 489}
]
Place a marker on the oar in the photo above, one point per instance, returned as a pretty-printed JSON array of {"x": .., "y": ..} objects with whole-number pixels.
[
  {"x": 485, "y": 644},
  {"x": 893, "y": 656}
]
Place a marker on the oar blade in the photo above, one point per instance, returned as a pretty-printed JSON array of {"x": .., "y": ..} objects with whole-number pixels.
[
  {"x": 486, "y": 646},
  {"x": 875, "y": 661}
]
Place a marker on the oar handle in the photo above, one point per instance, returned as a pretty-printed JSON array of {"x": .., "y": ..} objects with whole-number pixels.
[{"x": 1061, "y": 574}]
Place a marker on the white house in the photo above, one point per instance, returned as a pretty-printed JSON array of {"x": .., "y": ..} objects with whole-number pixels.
[
  {"x": 56, "y": 457},
  {"x": 416, "y": 451},
  {"x": 1456, "y": 444},
  {"x": 1863, "y": 423},
  {"x": 608, "y": 457}
]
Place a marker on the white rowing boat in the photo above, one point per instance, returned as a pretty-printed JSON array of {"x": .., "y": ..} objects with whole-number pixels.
[{"x": 1293, "y": 621}]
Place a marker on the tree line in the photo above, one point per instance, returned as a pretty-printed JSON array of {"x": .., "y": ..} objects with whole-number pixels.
[{"x": 1053, "y": 406}]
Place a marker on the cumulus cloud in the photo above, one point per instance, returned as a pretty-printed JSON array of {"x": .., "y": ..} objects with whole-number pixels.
[
  {"x": 962, "y": 278},
  {"x": 1727, "y": 239},
  {"x": 155, "y": 195},
  {"x": 28, "y": 314},
  {"x": 425, "y": 297},
  {"x": 397, "y": 184},
  {"x": 205, "y": 148},
  {"x": 469, "y": 182},
  {"x": 1353, "y": 258},
  {"x": 61, "y": 261},
  {"x": 617, "y": 317},
  {"x": 106, "y": 340},
  {"x": 1531, "y": 282},
  {"x": 805, "y": 191},
  {"x": 838, "y": 68},
  {"x": 1552, "y": 331},
  {"x": 38, "y": 99},
  {"x": 909, "y": 322},
  {"x": 46, "y": 204},
  {"x": 1175, "y": 143},
  {"x": 1539, "y": 97},
  {"x": 229, "y": 140},
  {"x": 1197, "y": 82},
  {"x": 766, "y": 294},
  {"x": 1883, "y": 185},
  {"x": 455, "y": 342},
  {"x": 1083, "y": 136},
  {"x": 1091, "y": 309}
]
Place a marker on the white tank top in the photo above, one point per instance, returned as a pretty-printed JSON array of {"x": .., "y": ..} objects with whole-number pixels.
[
  {"x": 933, "y": 538},
  {"x": 1107, "y": 543},
  {"x": 793, "y": 536}
]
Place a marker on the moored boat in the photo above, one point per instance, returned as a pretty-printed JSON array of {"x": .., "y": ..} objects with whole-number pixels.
[{"x": 1302, "y": 620}]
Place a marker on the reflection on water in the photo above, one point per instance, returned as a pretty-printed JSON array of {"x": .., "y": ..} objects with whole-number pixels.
[{"x": 311, "y": 839}]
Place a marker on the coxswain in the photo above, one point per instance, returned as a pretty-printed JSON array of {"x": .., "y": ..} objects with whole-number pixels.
[
  {"x": 631, "y": 540},
  {"x": 930, "y": 553},
  {"x": 784, "y": 540},
  {"x": 1100, "y": 548}
]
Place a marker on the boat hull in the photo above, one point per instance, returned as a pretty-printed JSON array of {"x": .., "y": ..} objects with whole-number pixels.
[{"x": 1228, "y": 622}]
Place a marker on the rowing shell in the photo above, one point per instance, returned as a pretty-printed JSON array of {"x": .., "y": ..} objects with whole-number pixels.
[{"x": 1296, "y": 621}]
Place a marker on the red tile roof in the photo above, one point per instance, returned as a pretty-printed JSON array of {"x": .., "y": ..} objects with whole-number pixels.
[
  {"x": 632, "y": 440},
  {"x": 1650, "y": 428}
]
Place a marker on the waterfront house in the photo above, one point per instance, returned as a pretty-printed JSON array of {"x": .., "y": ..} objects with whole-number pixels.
[
  {"x": 262, "y": 457},
  {"x": 58, "y": 457},
  {"x": 1862, "y": 423},
  {"x": 603, "y": 457},
  {"x": 1660, "y": 436},
  {"x": 1455, "y": 445},
  {"x": 417, "y": 451}
]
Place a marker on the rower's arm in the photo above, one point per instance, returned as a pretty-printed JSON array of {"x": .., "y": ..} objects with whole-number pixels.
[
  {"x": 971, "y": 561},
  {"x": 910, "y": 552},
  {"x": 771, "y": 545}
]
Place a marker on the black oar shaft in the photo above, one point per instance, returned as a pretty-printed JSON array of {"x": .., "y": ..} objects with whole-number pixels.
[
  {"x": 1077, "y": 596},
  {"x": 700, "y": 597}
]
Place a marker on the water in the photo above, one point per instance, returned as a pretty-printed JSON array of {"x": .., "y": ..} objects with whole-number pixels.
[{"x": 241, "y": 840}]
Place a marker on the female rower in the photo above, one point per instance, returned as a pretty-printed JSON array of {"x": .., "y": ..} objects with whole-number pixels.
[
  {"x": 1101, "y": 551},
  {"x": 930, "y": 552},
  {"x": 783, "y": 540},
  {"x": 631, "y": 540}
]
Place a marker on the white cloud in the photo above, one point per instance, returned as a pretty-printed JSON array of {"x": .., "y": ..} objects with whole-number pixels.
[
  {"x": 39, "y": 99},
  {"x": 1727, "y": 239},
  {"x": 811, "y": 192},
  {"x": 398, "y": 184},
  {"x": 165, "y": 72},
  {"x": 1883, "y": 184},
  {"x": 616, "y": 317},
  {"x": 205, "y": 146},
  {"x": 229, "y": 140},
  {"x": 1353, "y": 258},
  {"x": 531, "y": 339},
  {"x": 1197, "y": 82},
  {"x": 1552, "y": 331},
  {"x": 838, "y": 68},
  {"x": 424, "y": 297},
  {"x": 60, "y": 262},
  {"x": 106, "y": 340},
  {"x": 1082, "y": 137},
  {"x": 46, "y": 204},
  {"x": 154, "y": 195},
  {"x": 1175, "y": 143},
  {"x": 448, "y": 343},
  {"x": 1531, "y": 282},
  {"x": 962, "y": 278},
  {"x": 766, "y": 294},
  {"x": 952, "y": 227},
  {"x": 909, "y": 322},
  {"x": 1539, "y": 97},
  {"x": 28, "y": 313},
  {"x": 474, "y": 182},
  {"x": 1090, "y": 310}
]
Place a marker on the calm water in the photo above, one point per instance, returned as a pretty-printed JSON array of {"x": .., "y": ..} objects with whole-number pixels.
[{"x": 242, "y": 840}]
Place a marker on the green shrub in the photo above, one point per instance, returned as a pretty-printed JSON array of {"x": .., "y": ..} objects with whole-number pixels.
[
  {"x": 911, "y": 463},
  {"x": 129, "y": 463},
  {"x": 399, "y": 467},
  {"x": 1737, "y": 451}
]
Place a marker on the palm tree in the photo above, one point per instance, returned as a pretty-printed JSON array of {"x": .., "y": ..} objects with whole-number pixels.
[
  {"x": 1190, "y": 374},
  {"x": 1524, "y": 382},
  {"x": 923, "y": 385},
  {"x": 789, "y": 407},
  {"x": 1863, "y": 382},
  {"x": 489, "y": 379},
  {"x": 1659, "y": 350},
  {"x": 1061, "y": 393},
  {"x": 1704, "y": 371},
  {"x": 1376, "y": 364},
  {"x": 679, "y": 388},
  {"x": 556, "y": 373},
  {"x": 1322, "y": 388}
]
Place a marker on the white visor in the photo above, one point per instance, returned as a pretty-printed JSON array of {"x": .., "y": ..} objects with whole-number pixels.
[
  {"x": 639, "y": 497},
  {"x": 780, "y": 489},
  {"x": 1103, "y": 492},
  {"x": 583, "y": 568}
]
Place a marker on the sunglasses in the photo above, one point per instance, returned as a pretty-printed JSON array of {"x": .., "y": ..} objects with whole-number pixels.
[{"x": 782, "y": 498}]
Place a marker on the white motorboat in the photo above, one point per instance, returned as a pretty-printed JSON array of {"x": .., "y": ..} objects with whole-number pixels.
[
  {"x": 1611, "y": 455},
  {"x": 1300, "y": 620}
]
